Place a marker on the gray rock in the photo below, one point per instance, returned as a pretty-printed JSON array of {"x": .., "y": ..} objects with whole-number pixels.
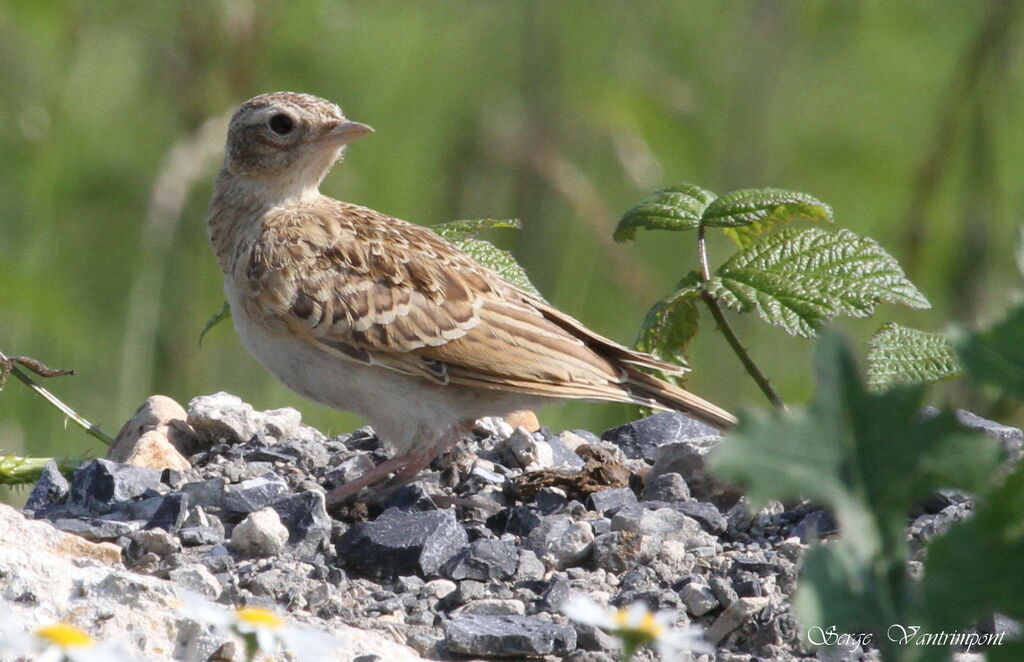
[
  {"x": 492, "y": 606},
  {"x": 641, "y": 439},
  {"x": 735, "y": 615},
  {"x": 255, "y": 494},
  {"x": 222, "y": 417},
  {"x": 687, "y": 458},
  {"x": 309, "y": 527},
  {"x": 619, "y": 551},
  {"x": 508, "y": 636},
  {"x": 154, "y": 541},
  {"x": 96, "y": 530},
  {"x": 525, "y": 451},
  {"x": 518, "y": 521},
  {"x": 195, "y": 536},
  {"x": 530, "y": 566},
  {"x": 564, "y": 457},
  {"x": 611, "y": 500},
  {"x": 50, "y": 490},
  {"x": 664, "y": 524},
  {"x": 208, "y": 493},
  {"x": 100, "y": 485},
  {"x": 399, "y": 542},
  {"x": 260, "y": 534},
  {"x": 171, "y": 514},
  {"x": 560, "y": 541},
  {"x": 484, "y": 559},
  {"x": 698, "y": 598},
  {"x": 197, "y": 578},
  {"x": 669, "y": 487},
  {"x": 592, "y": 638},
  {"x": 710, "y": 517}
]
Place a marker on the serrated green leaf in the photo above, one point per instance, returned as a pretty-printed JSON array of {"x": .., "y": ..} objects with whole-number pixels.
[
  {"x": 671, "y": 324},
  {"x": 974, "y": 569},
  {"x": 497, "y": 260},
  {"x": 870, "y": 458},
  {"x": 901, "y": 355},
  {"x": 467, "y": 229},
  {"x": 675, "y": 208},
  {"x": 214, "y": 320},
  {"x": 767, "y": 206},
  {"x": 996, "y": 355},
  {"x": 798, "y": 279}
]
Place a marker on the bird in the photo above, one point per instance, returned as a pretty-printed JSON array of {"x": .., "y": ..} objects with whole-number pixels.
[{"x": 364, "y": 312}]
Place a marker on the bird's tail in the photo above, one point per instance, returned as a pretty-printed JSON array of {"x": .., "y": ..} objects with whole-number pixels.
[{"x": 651, "y": 391}]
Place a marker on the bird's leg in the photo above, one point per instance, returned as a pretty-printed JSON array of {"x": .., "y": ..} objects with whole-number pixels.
[{"x": 375, "y": 475}]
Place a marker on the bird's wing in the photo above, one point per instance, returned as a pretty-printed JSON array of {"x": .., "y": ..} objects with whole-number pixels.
[{"x": 369, "y": 288}]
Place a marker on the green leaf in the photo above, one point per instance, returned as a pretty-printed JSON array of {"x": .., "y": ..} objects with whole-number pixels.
[
  {"x": 671, "y": 324},
  {"x": 900, "y": 355},
  {"x": 974, "y": 569},
  {"x": 675, "y": 208},
  {"x": 869, "y": 457},
  {"x": 996, "y": 356},
  {"x": 498, "y": 260},
  {"x": 798, "y": 279},
  {"x": 15, "y": 470},
  {"x": 217, "y": 318},
  {"x": 467, "y": 229},
  {"x": 747, "y": 214}
]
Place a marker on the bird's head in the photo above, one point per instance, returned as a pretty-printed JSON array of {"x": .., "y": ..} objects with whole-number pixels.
[{"x": 287, "y": 141}]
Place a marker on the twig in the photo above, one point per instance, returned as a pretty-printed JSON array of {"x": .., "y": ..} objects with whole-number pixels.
[
  {"x": 11, "y": 365},
  {"x": 730, "y": 335},
  {"x": 38, "y": 367}
]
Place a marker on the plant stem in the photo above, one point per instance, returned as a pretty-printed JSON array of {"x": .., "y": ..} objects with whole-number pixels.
[
  {"x": 55, "y": 401},
  {"x": 730, "y": 335}
]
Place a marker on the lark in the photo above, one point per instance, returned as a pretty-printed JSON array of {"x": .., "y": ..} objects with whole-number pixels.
[{"x": 367, "y": 313}]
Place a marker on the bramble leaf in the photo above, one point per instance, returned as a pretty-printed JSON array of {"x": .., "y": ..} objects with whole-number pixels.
[
  {"x": 675, "y": 208},
  {"x": 671, "y": 324},
  {"x": 747, "y": 214},
  {"x": 497, "y": 260},
  {"x": 463, "y": 235},
  {"x": 798, "y": 279},
  {"x": 868, "y": 457},
  {"x": 467, "y": 229},
  {"x": 215, "y": 319},
  {"x": 901, "y": 355},
  {"x": 996, "y": 355}
]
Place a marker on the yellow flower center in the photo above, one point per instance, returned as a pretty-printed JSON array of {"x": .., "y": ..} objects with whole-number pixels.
[
  {"x": 65, "y": 636},
  {"x": 648, "y": 628},
  {"x": 259, "y": 617}
]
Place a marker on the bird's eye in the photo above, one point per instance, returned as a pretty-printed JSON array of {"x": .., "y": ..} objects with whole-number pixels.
[{"x": 281, "y": 124}]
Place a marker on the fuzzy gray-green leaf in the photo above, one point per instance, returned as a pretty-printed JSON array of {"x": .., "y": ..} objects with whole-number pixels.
[
  {"x": 467, "y": 229},
  {"x": 747, "y": 214},
  {"x": 996, "y": 355},
  {"x": 674, "y": 208},
  {"x": 798, "y": 279},
  {"x": 901, "y": 355}
]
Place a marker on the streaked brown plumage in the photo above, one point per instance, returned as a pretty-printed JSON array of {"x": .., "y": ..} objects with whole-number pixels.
[{"x": 362, "y": 311}]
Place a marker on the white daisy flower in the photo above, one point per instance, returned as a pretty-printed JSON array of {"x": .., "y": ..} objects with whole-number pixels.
[
  {"x": 638, "y": 626},
  {"x": 261, "y": 630},
  {"x": 61, "y": 642}
]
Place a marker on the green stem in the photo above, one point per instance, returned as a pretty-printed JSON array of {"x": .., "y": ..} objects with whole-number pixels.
[
  {"x": 730, "y": 335},
  {"x": 55, "y": 401}
]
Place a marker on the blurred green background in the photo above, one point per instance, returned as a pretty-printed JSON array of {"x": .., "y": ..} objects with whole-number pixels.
[{"x": 906, "y": 117}]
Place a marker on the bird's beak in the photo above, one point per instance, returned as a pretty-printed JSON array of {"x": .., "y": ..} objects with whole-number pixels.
[{"x": 345, "y": 133}]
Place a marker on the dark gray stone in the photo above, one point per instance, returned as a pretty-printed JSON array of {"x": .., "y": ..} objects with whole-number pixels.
[
  {"x": 687, "y": 458},
  {"x": 401, "y": 543},
  {"x": 50, "y": 490},
  {"x": 550, "y": 501},
  {"x": 666, "y": 487},
  {"x": 723, "y": 591},
  {"x": 518, "y": 521},
  {"x": 508, "y": 636},
  {"x": 171, "y": 514},
  {"x": 711, "y": 518},
  {"x": 641, "y": 439},
  {"x": 96, "y": 530},
  {"x": 100, "y": 485},
  {"x": 409, "y": 497},
  {"x": 556, "y": 593},
  {"x": 484, "y": 559},
  {"x": 608, "y": 501},
  {"x": 195, "y": 536},
  {"x": 255, "y": 494},
  {"x": 815, "y": 526},
  {"x": 305, "y": 517},
  {"x": 208, "y": 493}
]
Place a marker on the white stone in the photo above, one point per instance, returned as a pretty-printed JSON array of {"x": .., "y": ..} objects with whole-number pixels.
[{"x": 260, "y": 534}]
